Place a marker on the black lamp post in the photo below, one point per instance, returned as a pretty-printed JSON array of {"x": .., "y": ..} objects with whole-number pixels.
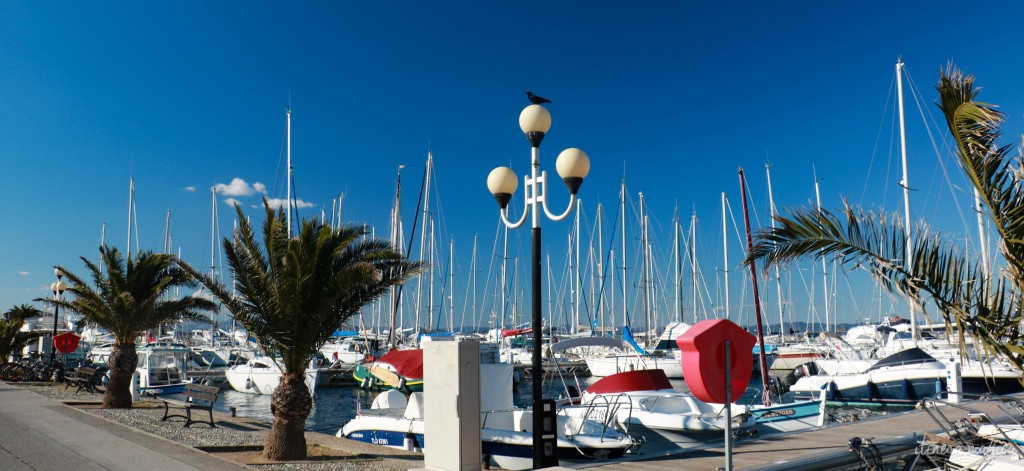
[
  {"x": 58, "y": 289},
  {"x": 572, "y": 165}
]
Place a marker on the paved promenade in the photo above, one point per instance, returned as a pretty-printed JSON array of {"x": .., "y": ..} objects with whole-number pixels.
[{"x": 38, "y": 434}]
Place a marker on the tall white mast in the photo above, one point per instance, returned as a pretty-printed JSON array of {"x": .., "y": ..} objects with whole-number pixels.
[
  {"x": 288, "y": 197},
  {"x": 677, "y": 296},
  {"x": 430, "y": 281},
  {"x": 576, "y": 274},
  {"x": 824, "y": 263},
  {"x": 131, "y": 210},
  {"x": 600, "y": 267},
  {"x": 906, "y": 193},
  {"x": 644, "y": 280},
  {"x": 622, "y": 202},
  {"x": 778, "y": 278},
  {"x": 693, "y": 261},
  {"x": 725, "y": 252},
  {"x": 982, "y": 241},
  {"x": 213, "y": 228},
  {"x": 451, "y": 285},
  {"x": 423, "y": 235}
]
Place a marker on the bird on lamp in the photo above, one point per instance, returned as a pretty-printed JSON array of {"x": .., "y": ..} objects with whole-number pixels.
[{"x": 537, "y": 100}]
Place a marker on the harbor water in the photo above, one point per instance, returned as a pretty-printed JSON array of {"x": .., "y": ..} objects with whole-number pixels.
[{"x": 336, "y": 405}]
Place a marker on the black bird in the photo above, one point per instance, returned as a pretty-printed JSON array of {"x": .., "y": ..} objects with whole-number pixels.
[{"x": 537, "y": 100}]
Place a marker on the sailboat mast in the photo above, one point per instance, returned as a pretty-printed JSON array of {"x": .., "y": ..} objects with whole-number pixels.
[
  {"x": 693, "y": 261},
  {"x": 288, "y": 142},
  {"x": 423, "y": 235},
  {"x": 131, "y": 210},
  {"x": 766, "y": 391},
  {"x": 396, "y": 244},
  {"x": 778, "y": 278},
  {"x": 577, "y": 298},
  {"x": 906, "y": 192},
  {"x": 725, "y": 252},
  {"x": 824, "y": 261},
  {"x": 600, "y": 268},
  {"x": 644, "y": 263},
  {"x": 622, "y": 202},
  {"x": 981, "y": 232},
  {"x": 452, "y": 286},
  {"x": 676, "y": 247}
]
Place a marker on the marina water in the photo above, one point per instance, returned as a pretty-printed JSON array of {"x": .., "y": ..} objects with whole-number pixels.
[{"x": 336, "y": 405}]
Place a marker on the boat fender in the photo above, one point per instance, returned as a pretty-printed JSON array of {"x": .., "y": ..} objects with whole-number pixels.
[
  {"x": 371, "y": 382},
  {"x": 248, "y": 383},
  {"x": 401, "y": 384}
]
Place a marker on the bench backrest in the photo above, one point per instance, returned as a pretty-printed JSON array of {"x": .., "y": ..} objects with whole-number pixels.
[
  {"x": 85, "y": 372},
  {"x": 200, "y": 392}
]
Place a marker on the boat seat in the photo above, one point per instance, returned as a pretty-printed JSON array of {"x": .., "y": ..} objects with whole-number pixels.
[
  {"x": 415, "y": 408},
  {"x": 390, "y": 399}
]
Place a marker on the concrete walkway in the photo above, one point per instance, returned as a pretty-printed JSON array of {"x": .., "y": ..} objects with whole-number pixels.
[{"x": 38, "y": 434}]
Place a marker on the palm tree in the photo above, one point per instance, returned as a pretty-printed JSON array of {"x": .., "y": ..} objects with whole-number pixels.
[
  {"x": 12, "y": 339},
  {"x": 22, "y": 312},
  {"x": 986, "y": 306},
  {"x": 292, "y": 293},
  {"x": 132, "y": 297}
]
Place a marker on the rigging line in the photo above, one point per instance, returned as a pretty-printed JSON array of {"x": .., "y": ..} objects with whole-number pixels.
[
  {"x": 878, "y": 137},
  {"x": 938, "y": 155}
]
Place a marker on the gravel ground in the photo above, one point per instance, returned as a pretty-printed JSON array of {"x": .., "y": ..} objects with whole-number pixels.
[{"x": 234, "y": 432}]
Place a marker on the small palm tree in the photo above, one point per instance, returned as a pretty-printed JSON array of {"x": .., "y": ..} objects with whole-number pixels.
[
  {"x": 22, "y": 312},
  {"x": 292, "y": 293},
  {"x": 12, "y": 339},
  {"x": 131, "y": 298},
  {"x": 986, "y": 306}
]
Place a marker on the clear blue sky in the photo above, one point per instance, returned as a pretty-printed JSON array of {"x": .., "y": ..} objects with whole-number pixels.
[{"x": 675, "y": 96}]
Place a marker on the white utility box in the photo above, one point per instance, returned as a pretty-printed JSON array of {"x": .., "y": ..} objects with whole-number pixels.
[{"x": 451, "y": 412}]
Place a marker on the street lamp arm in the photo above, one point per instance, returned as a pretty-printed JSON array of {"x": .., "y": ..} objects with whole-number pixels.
[
  {"x": 510, "y": 224},
  {"x": 572, "y": 205}
]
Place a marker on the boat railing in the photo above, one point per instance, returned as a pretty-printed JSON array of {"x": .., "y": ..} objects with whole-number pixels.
[{"x": 964, "y": 431}]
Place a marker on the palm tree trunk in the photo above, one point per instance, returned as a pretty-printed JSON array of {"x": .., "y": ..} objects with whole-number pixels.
[
  {"x": 122, "y": 363},
  {"x": 290, "y": 404}
]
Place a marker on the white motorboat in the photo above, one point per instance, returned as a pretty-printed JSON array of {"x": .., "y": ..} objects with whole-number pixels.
[
  {"x": 261, "y": 375},
  {"x": 507, "y": 436},
  {"x": 162, "y": 368}
]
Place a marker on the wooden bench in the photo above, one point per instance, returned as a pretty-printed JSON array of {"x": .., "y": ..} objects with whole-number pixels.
[
  {"x": 84, "y": 377},
  {"x": 194, "y": 392}
]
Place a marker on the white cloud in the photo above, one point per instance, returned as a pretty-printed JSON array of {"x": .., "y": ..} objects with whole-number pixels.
[
  {"x": 278, "y": 203},
  {"x": 232, "y": 202},
  {"x": 24, "y": 273},
  {"x": 190, "y": 189},
  {"x": 239, "y": 187}
]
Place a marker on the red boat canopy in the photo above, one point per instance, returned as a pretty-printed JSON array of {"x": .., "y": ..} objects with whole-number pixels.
[
  {"x": 408, "y": 363},
  {"x": 514, "y": 332},
  {"x": 628, "y": 381}
]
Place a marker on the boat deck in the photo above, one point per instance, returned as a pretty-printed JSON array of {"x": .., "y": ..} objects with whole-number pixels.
[{"x": 825, "y": 448}]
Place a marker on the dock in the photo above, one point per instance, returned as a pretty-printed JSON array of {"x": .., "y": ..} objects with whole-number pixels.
[{"x": 825, "y": 448}]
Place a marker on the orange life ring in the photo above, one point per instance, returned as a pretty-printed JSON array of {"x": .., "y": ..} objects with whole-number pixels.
[
  {"x": 369, "y": 358},
  {"x": 896, "y": 318}
]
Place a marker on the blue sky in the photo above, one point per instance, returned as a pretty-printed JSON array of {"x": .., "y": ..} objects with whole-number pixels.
[{"x": 675, "y": 96}]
